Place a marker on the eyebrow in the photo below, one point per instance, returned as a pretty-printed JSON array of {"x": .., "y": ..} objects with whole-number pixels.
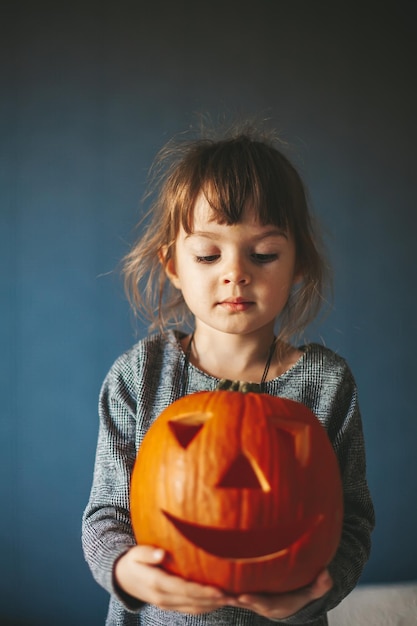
[{"x": 269, "y": 233}]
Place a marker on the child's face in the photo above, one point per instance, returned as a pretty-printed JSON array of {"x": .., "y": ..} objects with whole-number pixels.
[{"x": 234, "y": 279}]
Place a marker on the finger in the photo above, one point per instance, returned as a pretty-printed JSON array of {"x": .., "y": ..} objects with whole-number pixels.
[
  {"x": 160, "y": 587},
  {"x": 148, "y": 554},
  {"x": 203, "y": 592},
  {"x": 184, "y": 589},
  {"x": 321, "y": 585},
  {"x": 173, "y": 593},
  {"x": 283, "y": 605},
  {"x": 169, "y": 583}
]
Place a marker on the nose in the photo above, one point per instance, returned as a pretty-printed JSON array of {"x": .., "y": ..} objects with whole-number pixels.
[
  {"x": 236, "y": 272},
  {"x": 244, "y": 474}
]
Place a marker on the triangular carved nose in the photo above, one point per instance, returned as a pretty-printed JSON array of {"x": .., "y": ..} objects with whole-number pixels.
[{"x": 241, "y": 475}]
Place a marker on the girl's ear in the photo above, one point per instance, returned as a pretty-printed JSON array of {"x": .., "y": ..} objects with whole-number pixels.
[
  {"x": 169, "y": 266},
  {"x": 298, "y": 278},
  {"x": 298, "y": 274}
]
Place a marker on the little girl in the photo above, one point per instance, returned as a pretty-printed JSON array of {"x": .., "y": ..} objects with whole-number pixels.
[{"x": 230, "y": 250}]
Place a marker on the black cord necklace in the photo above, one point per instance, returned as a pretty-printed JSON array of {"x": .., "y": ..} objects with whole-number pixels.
[{"x": 225, "y": 383}]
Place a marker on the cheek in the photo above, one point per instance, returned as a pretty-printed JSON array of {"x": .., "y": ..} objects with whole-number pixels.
[
  {"x": 276, "y": 290},
  {"x": 194, "y": 280},
  {"x": 282, "y": 280},
  {"x": 196, "y": 293}
]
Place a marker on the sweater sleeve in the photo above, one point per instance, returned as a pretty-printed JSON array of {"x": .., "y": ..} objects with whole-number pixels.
[
  {"x": 341, "y": 417},
  {"x": 359, "y": 517},
  {"x": 106, "y": 528}
]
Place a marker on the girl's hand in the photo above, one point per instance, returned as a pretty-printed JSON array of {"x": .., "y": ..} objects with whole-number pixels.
[
  {"x": 137, "y": 573},
  {"x": 283, "y": 605}
]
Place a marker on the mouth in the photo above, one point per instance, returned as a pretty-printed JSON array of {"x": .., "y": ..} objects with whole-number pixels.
[
  {"x": 242, "y": 544},
  {"x": 236, "y": 304}
]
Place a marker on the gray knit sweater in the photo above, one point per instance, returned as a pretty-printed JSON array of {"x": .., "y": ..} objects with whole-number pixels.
[{"x": 143, "y": 382}]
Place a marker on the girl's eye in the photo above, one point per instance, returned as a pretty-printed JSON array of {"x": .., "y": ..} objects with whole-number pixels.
[
  {"x": 210, "y": 258},
  {"x": 264, "y": 258}
]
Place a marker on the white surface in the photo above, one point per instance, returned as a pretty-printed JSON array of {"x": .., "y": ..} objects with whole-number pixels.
[{"x": 378, "y": 605}]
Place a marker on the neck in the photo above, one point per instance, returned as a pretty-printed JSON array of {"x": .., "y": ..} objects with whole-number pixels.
[{"x": 234, "y": 357}]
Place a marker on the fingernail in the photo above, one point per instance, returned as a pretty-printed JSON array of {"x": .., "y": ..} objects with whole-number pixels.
[{"x": 158, "y": 554}]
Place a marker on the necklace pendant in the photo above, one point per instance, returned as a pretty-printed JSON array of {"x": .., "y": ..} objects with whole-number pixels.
[{"x": 238, "y": 385}]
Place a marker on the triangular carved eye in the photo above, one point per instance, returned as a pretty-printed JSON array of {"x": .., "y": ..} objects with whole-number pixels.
[
  {"x": 301, "y": 435},
  {"x": 184, "y": 430},
  {"x": 243, "y": 474}
]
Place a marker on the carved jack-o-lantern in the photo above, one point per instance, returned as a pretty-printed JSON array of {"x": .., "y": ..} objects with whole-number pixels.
[{"x": 243, "y": 491}]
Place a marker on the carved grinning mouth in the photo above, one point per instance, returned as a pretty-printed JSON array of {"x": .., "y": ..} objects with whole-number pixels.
[{"x": 242, "y": 544}]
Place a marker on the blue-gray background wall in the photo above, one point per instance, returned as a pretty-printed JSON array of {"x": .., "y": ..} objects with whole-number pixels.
[{"x": 89, "y": 92}]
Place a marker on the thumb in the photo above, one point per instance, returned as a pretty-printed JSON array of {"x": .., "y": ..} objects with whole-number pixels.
[
  {"x": 148, "y": 554},
  {"x": 321, "y": 585}
]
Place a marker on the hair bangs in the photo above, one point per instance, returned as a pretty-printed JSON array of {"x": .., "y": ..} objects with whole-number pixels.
[{"x": 237, "y": 175}]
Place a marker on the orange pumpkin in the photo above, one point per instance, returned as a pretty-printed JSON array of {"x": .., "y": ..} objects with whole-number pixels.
[{"x": 243, "y": 491}]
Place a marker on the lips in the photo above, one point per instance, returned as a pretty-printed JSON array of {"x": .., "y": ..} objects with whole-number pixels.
[{"x": 236, "y": 304}]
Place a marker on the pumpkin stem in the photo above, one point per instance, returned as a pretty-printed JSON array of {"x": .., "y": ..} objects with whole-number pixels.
[{"x": 238, "y": 385}]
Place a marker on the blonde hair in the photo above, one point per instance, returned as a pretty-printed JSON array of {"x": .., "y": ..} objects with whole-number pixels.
[{"x": 242, "y": 167}]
